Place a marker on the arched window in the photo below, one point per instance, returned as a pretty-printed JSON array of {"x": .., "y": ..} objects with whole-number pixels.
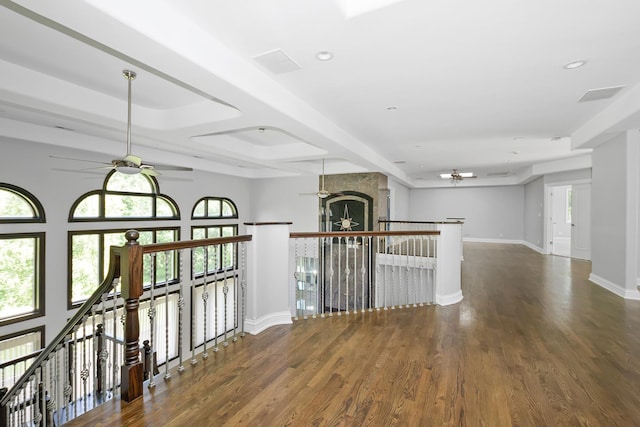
[
  {"x": 215, "y": 209},
  {"x": 125, "y": 198},
  {"x": 21, "y": 256},
  {"x": 122, "y": 198}
]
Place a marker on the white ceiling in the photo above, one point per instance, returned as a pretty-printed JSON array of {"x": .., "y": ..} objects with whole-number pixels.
[{"x": 477, "y": 86}]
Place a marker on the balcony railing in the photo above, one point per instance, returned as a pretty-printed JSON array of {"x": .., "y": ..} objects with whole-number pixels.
[
  {"x": 96, "y": 357},
  {"x": 343, "y": 272},
  {"x": 164, "y": 306}
]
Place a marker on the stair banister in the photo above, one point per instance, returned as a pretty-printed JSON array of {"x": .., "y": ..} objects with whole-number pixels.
[{"x": 132, "y": 374}]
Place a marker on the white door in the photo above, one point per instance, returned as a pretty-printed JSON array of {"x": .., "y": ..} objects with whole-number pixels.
[{"x": 581, "y": 221}]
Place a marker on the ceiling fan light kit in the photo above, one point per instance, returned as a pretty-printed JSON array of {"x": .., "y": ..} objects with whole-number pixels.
[{"x": 456, "y": 176}]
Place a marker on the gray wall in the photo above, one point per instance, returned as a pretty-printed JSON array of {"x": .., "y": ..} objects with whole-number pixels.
[
  {"x": 490, "y": 212},
  {"x": 287, "y": 199},
  {"x": 568, "y": 177},
  {"x": 399, "y": 200},
  {"x": 608, "y": 211},
  {"x": 534, "y": 213}
]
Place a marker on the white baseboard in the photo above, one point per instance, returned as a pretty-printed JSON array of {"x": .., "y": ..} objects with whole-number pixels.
[
  {"x": 615, "y": 288},
  {"x": 449, "y": 299},
  {"x": 506, "y": 241},
  {"x": 255, "y": 326},
  {"x": 481, "y": 240},
  {"x": 534, "y": 247}
]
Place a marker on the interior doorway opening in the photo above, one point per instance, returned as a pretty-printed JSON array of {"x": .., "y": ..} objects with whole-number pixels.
[
  {"x": 561, "y": 220},
  {"x": 568, "y": 227}
]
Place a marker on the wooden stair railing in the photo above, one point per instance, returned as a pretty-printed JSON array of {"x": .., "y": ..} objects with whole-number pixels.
[
  {"x": 117, "y": 254},
  {"x": 126, "y": 264}
]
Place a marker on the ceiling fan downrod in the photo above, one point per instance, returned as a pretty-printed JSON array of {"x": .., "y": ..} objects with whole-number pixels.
[{"x": 129, "y": 75}]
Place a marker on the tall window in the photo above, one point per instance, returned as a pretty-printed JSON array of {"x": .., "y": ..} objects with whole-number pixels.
[
  {"x": 216, "y": 263},
  {"x": 21, "y": 256},
  {"x": 122, "y": 198},
  {"x": 214, "y": 209}
]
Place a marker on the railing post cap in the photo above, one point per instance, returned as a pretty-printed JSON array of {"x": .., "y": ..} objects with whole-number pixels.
[{"x": 132, "y": 237}]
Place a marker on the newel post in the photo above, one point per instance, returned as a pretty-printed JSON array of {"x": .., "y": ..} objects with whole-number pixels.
[
  {"x": 131, "y": 281},
  {"x": 3, "y": 409}
]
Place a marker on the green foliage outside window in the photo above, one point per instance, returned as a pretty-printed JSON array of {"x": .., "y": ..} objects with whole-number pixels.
[
  {"x": 219, "y": 257},
  {"x": 14, "y": 206},
  {"x": 21, "y": 256},
  {"x": 132, "y": 197},
  {"x": 18, "y": 276}
]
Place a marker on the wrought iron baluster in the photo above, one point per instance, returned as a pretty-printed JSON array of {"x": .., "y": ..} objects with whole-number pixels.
[
  {"x": 243, "y": 285},
  {"x": 37, "y": 414},
  {"x": 193, "y": 307},
  {"x": 225, "y": 292},
  {"x": 113, "y": 361},
  {"x": 167, "y": 257},
  {"x": 216, "y": 321},
  {"x": 339, "y": 275},
  {"x": 331, "y": 273},
  {"x": 151, "y": 313},
  {"x": 347, "y": 273},
  {"x": 181, "y": 258},
  {"x": 205, "y": 297},
  {"x": 84, "y": 372},
  {"x": 235, "y": 278},
  {"x": 408, "y": 276},
  {"x": 363, "y": 271}
]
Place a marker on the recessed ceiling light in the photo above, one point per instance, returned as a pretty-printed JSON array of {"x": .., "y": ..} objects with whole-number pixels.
[
  {"x": 575, "y": 64},
  {"x": 324, "y": 55}
]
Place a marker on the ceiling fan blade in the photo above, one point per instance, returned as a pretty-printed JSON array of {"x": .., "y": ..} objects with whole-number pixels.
[
  {"x": 148, "y": 171},
  {"x": 172, "y": 168},
  {"x": 79, "y": 160},
  {"x": 133, "y": 159},
  {"x": 85, "y": 171}
]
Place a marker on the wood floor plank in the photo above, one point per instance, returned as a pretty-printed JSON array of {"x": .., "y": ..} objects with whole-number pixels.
[{"x": 533, "y": 343}]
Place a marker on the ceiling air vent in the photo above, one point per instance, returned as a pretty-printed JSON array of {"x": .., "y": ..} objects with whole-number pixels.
[
  {"x": 598, "y": 94},
  {"x": 277, "y": 62},
  {"x": 498, "y": 174}
]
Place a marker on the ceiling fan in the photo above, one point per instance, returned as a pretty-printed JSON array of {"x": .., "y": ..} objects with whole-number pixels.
[
  {"x": 456, "y": 176},
  {"x": 323, "y": 193},
  {"x": 132, "y": 164}
]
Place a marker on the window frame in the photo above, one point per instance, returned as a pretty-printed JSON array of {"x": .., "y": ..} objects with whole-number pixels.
[
  {"x": 30, "y": 199},
  {"x": 40, "y": 252},
  {"x": 102, "y": 194},
  {"x": 102, "y": 256},
  {"x": 221, "y": 268},
  {"x": 206, "y": 215},
  {"x": 39, "y": 273}
]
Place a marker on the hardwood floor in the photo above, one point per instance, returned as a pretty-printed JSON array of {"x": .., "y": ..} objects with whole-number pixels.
[{"x": 532, "y": 344}]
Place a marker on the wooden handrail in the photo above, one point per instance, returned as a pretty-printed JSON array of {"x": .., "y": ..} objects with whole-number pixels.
[
  {"x": 185, "y": 244},
  {"x": 389, "y": 221},
  {"x": 364, "y": 234}
]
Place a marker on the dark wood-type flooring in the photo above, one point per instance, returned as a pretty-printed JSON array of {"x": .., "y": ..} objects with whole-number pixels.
[{"x": 533, "y": 343}]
